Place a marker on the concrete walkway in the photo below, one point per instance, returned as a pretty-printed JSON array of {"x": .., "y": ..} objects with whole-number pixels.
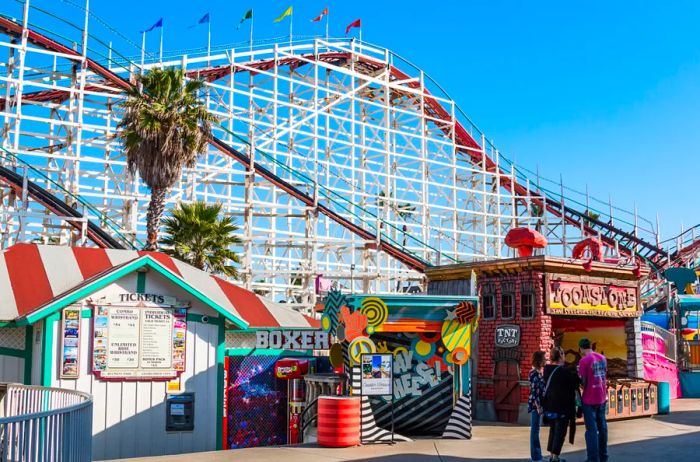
[{"x": 661, "y": 438}]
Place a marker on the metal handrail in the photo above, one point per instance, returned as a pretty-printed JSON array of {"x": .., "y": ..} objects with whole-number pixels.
[
  {"x": 303, "y": 420},
  {"x": 44, "y": 423}
]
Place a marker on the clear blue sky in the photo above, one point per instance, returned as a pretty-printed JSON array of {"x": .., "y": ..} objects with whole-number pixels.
[{"x": 606, "y": 94}]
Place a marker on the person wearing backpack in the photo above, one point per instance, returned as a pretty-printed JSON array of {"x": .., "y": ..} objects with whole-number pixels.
[
  {"x": 534, "y": 404},
  {"x": 559, "y": 401}
]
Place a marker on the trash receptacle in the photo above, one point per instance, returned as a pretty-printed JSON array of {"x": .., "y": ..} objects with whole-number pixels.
[
  {"x": 664, "y": 397},
  {"x": 338, "y": 421}
]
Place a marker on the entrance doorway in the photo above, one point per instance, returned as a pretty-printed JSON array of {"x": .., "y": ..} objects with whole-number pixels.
[{"x": 507, "y": 390}]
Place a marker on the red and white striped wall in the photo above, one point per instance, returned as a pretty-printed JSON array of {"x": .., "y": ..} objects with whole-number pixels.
[{"x": 31, "y": 276}]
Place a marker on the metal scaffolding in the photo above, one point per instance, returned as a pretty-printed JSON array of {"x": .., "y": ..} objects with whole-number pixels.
[{"x": 338, "y": 158}]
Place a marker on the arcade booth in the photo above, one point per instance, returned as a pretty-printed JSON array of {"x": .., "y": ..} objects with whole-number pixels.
[
  {"x": 532, "y": 303},
  {"x": 418, "y": 347},
  {"x": 167, "y": 351}
]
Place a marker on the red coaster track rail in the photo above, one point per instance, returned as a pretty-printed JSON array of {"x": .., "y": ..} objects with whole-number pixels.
[{"x": 627, "y": 242}]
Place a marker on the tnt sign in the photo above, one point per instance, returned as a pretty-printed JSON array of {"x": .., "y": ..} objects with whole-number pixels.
[{"x": 507, "y": 336}]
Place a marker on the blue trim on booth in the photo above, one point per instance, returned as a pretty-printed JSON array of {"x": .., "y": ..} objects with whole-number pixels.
[{"x": 261, "y": 352}]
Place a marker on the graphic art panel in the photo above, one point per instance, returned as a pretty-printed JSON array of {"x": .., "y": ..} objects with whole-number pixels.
[
  {"x": 257, "y": 403},
  {"x": 422, "y": 385}
]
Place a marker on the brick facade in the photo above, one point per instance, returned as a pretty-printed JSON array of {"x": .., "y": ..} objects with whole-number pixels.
[
  {"x": 515, "y": 276},
  {"x": 535, "y": 332}
]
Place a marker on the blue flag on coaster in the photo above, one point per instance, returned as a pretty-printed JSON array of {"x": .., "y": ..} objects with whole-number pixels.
[
  {"x": 203, "y": 20},
  {"x": 158, "y": 23}
]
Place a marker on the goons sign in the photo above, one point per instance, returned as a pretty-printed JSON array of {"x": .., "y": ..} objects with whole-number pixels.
[{"x": 292, "y": 340}]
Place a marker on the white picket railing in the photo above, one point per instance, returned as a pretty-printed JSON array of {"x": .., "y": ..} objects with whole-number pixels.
[
  {"x": 668, "y": 338},
  {"x": 40, "y": 424}
]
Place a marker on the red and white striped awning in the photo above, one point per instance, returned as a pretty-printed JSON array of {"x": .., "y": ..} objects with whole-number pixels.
[{"x": 33, "y": 276}]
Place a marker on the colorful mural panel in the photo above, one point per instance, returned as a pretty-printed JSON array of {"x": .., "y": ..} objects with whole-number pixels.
[
  {"x": 422, "y": 389},
  {"x": 258, "y": 417}
]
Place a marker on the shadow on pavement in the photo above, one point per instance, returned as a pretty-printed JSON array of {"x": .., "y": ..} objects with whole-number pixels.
[
  {"x": 680, "y": 417},
  {"x": 680, "y": 447}
]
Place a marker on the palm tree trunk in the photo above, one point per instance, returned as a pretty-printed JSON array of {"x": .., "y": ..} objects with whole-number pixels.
[{"x": 155, "y": 211}]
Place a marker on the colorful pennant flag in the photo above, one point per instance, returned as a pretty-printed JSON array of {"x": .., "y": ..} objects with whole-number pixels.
[
  {"x": 248, "y": 15},
  {"x": 203, "y": 20},
  {"x": 355, "y": 23},
  {"x": 287, "y": 12},
  {"x": 320, "y": 16},
  {"x": 158, "y": 23}
]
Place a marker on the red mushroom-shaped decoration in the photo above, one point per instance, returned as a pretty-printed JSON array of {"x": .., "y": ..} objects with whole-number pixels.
[
  {"x": 524, "y": 240},
  {"x": 594, "y": 247}
]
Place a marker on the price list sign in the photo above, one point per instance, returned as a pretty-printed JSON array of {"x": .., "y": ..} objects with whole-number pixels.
[
  {"x": 123, "y": 341},
  {"x": 139, "y": 343}
]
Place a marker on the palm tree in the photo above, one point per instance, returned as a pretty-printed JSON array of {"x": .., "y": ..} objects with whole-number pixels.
[
  {"x": 194, "y": 233},
  {"x": 165, "y": 128}
]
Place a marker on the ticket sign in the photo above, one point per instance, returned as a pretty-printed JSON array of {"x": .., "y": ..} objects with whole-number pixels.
[
  {"x": 139, "y": 342},
  {"x": 376, "y": 374},
  {"x": 123, "y": 340}
]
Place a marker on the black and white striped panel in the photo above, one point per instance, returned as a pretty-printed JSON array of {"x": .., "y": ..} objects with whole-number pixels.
[
  {"x": 355, "y": 379},
  {"x": 371, "y": 432},
  {"x": 459, "y": 427}
]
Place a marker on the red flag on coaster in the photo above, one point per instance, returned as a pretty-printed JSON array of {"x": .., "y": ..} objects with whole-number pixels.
[
  {"x": 320, "y": 16},
  {"x": 355, "y": 23}
]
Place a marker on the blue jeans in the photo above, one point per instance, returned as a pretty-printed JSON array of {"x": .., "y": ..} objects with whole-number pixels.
[
  {"x": 596, "y": 433},
  {"x": 535, "y": 423}
]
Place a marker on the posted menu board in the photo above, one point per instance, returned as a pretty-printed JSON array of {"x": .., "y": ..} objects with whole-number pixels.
[
  {"x": 70, "y": 343},
  {"x": 139, "y": 343},
  {"x": 377, "y": 374}
]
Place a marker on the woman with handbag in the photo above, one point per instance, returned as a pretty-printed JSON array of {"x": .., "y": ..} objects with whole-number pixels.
[{"x": 559, "y": 401}]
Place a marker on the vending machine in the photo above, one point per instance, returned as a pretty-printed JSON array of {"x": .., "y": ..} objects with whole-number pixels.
[{"x": 293, "y": 371}]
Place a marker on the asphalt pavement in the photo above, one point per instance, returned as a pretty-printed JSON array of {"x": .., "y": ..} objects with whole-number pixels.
[{"x": 675, "y": 436}]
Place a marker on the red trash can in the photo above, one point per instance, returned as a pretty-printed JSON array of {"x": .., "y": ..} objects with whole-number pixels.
[{"x": 338, "y": 421}]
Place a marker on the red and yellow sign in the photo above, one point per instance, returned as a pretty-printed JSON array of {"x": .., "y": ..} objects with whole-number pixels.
[{"x": 582, "y": 298}]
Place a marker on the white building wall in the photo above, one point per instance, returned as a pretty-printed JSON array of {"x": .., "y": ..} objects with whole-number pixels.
[{"x": 129, "y": 417}]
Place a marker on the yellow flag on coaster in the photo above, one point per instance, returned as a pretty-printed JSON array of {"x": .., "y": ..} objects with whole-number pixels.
[{"x": 287, "y": 12}]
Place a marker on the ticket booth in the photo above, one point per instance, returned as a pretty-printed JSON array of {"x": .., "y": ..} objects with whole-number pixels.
[{"x": 143, "y": 333}]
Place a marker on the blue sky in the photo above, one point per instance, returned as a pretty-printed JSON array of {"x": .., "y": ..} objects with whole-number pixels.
[{"x": 607, "y": 94}]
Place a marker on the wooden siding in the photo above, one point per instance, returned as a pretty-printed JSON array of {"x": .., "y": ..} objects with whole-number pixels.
[{"x": 129, "y": 417}]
